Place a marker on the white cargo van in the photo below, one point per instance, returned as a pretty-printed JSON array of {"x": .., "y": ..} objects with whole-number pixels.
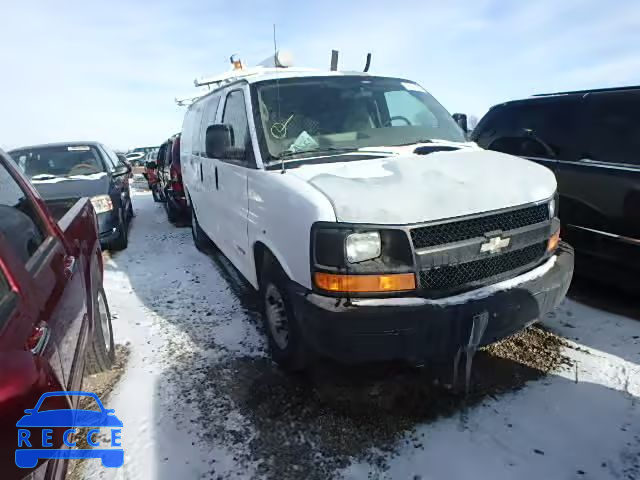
[{"x": 371, "y": 228}]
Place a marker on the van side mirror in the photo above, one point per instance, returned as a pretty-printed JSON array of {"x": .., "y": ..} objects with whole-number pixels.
[
  {"x": 151, "y": 165},
  {"x": 461, "y": 120},
  {"x": 218, "y": 140}
]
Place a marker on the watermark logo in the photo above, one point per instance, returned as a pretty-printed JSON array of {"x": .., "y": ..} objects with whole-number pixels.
[{"x": 36, "y": 432}]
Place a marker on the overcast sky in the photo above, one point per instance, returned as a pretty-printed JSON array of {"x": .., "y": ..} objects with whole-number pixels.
[{"x": 110, "y": 70}]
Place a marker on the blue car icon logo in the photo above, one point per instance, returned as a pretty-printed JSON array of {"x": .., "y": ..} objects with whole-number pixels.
[{"x": 29, "y": 452}]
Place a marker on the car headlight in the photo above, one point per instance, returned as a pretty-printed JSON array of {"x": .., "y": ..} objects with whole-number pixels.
[
  {"x": 362, "y": 246},
  {"x": 102, "y": 203}
]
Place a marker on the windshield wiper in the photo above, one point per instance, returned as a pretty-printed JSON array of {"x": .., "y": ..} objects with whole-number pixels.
[
  {"x": 43, "y": 176},
  {"x": 287, "y": 154},
  {"x": 420, "y": 140}
]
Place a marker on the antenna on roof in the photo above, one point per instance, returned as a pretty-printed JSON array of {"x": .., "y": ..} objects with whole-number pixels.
[
  {"x": 368, "y": 64},
  {"x": 334, "y": 60}
]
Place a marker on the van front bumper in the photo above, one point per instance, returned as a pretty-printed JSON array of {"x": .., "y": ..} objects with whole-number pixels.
[{"x": 415, "y": 329}]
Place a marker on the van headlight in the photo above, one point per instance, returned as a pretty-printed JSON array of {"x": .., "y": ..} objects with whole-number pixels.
[
  {"x": 362, "y": 246},
  {"x": 553, "y": 206},
  {"x": 102, "y": 203}
]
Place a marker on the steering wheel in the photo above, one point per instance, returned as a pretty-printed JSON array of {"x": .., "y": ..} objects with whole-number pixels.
[
  {"x": 82, "y": 166},
  {"x": 398, "y": 117}
]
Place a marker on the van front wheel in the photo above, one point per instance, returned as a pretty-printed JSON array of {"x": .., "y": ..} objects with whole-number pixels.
[{"x": 286, "y": 344}]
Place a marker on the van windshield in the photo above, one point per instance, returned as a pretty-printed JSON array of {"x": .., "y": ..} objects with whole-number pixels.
[{"x": 303, "y": 116}]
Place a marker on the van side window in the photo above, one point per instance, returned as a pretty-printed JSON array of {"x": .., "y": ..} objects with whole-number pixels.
[
  {"x": 235, "y": 115},
  {"x": 614, "y": 131},
  {"x": 197, "y": 140},
  {"x": 19, "y": 223},
  {"x": 209, "y": 113}
]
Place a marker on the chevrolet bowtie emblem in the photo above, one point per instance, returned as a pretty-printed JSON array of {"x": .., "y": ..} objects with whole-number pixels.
[{"x": 495, "y": 244}]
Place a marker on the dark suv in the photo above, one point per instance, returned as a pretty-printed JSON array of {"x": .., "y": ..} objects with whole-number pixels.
[
  {"x": 591, "y": 140},
  {"x": 64, "y": 172}
]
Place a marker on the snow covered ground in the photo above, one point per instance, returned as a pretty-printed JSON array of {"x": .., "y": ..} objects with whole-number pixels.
[{"x": 200, "y": 398}]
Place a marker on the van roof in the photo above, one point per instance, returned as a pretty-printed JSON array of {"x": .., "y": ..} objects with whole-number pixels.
[{"x": 259, "y": 74}]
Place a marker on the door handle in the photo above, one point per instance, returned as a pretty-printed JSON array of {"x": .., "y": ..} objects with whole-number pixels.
[
  {"x": 201, "y": 176},
  {"x": 216, "y": 172}
]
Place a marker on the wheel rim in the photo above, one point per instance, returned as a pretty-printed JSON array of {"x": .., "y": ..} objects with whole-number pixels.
[
  {"x": 276, "y": 312},
  {"x": 104, "y": 322}
]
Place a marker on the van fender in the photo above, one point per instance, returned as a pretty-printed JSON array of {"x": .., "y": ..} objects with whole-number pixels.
[{"x": 260, "y": 247}]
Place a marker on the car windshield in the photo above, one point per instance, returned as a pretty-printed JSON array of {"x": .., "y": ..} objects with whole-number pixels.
[
  {"x": 62, "y": 161},
  {"x": 305, "y": 116}
]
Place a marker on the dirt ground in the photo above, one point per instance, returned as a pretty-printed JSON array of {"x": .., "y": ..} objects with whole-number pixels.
[
  {"x": 101, "y": 384},
  {"x": 310, "y": 426}
]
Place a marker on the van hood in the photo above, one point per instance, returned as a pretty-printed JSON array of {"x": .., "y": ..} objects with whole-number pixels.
[
  {"x": 75, "y": 186},
  {"x": 409, "y": 189}
]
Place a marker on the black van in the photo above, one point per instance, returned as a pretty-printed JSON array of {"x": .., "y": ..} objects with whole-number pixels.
[{"x": 591, "y": 140}]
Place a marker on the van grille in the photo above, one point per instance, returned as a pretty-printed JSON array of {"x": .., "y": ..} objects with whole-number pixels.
[
  {"x": 454, "y": 276},
  {"x": 477, "y": 227}
]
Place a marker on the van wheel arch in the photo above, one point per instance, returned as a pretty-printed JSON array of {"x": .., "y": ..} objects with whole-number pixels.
[
  {"x": 261, "y": 253},
  {"x": 264, "y": 257}
]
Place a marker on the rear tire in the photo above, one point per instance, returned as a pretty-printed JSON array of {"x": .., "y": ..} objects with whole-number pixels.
[
  {"x": 102, "y": 352},
  {"x": 286, "y": 344},
  {"x": 200, "y": 238},
  {"x": 173, "y": 215},
  {"x": 122, "y": 240}
]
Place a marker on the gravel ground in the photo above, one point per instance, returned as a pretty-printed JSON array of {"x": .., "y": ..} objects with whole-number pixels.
[
  {"x": 310, "y": 426},
  {"x": 101, "y": 384}
]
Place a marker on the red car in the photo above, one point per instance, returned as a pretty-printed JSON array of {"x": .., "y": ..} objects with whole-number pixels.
[
  {"x": 170, "y": 178},
  {"x": 54, "y": 317},
  {"x": 151, "y": 174}
]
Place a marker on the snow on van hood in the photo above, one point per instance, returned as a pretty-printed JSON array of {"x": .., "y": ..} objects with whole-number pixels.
[{"x": 421, "y": 188}]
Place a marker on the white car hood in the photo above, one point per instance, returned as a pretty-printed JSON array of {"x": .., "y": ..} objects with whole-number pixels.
[{"x": 421, "y": 188}]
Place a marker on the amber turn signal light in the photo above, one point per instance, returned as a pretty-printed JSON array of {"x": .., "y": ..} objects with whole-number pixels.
[
  {"x": 553, "y": 242},
  {"x": 365, "y": 283}
]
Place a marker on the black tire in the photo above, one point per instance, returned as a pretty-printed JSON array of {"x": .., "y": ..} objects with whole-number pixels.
[
  {"x": 173, "y": 215},
  {"x": 101, "y": 353},
  {"x": 122, "y": 240},
  {"x": 294, "y": 355},
  {"x": 130, "y": 213},
  {"x": 200, "y": 238}
]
